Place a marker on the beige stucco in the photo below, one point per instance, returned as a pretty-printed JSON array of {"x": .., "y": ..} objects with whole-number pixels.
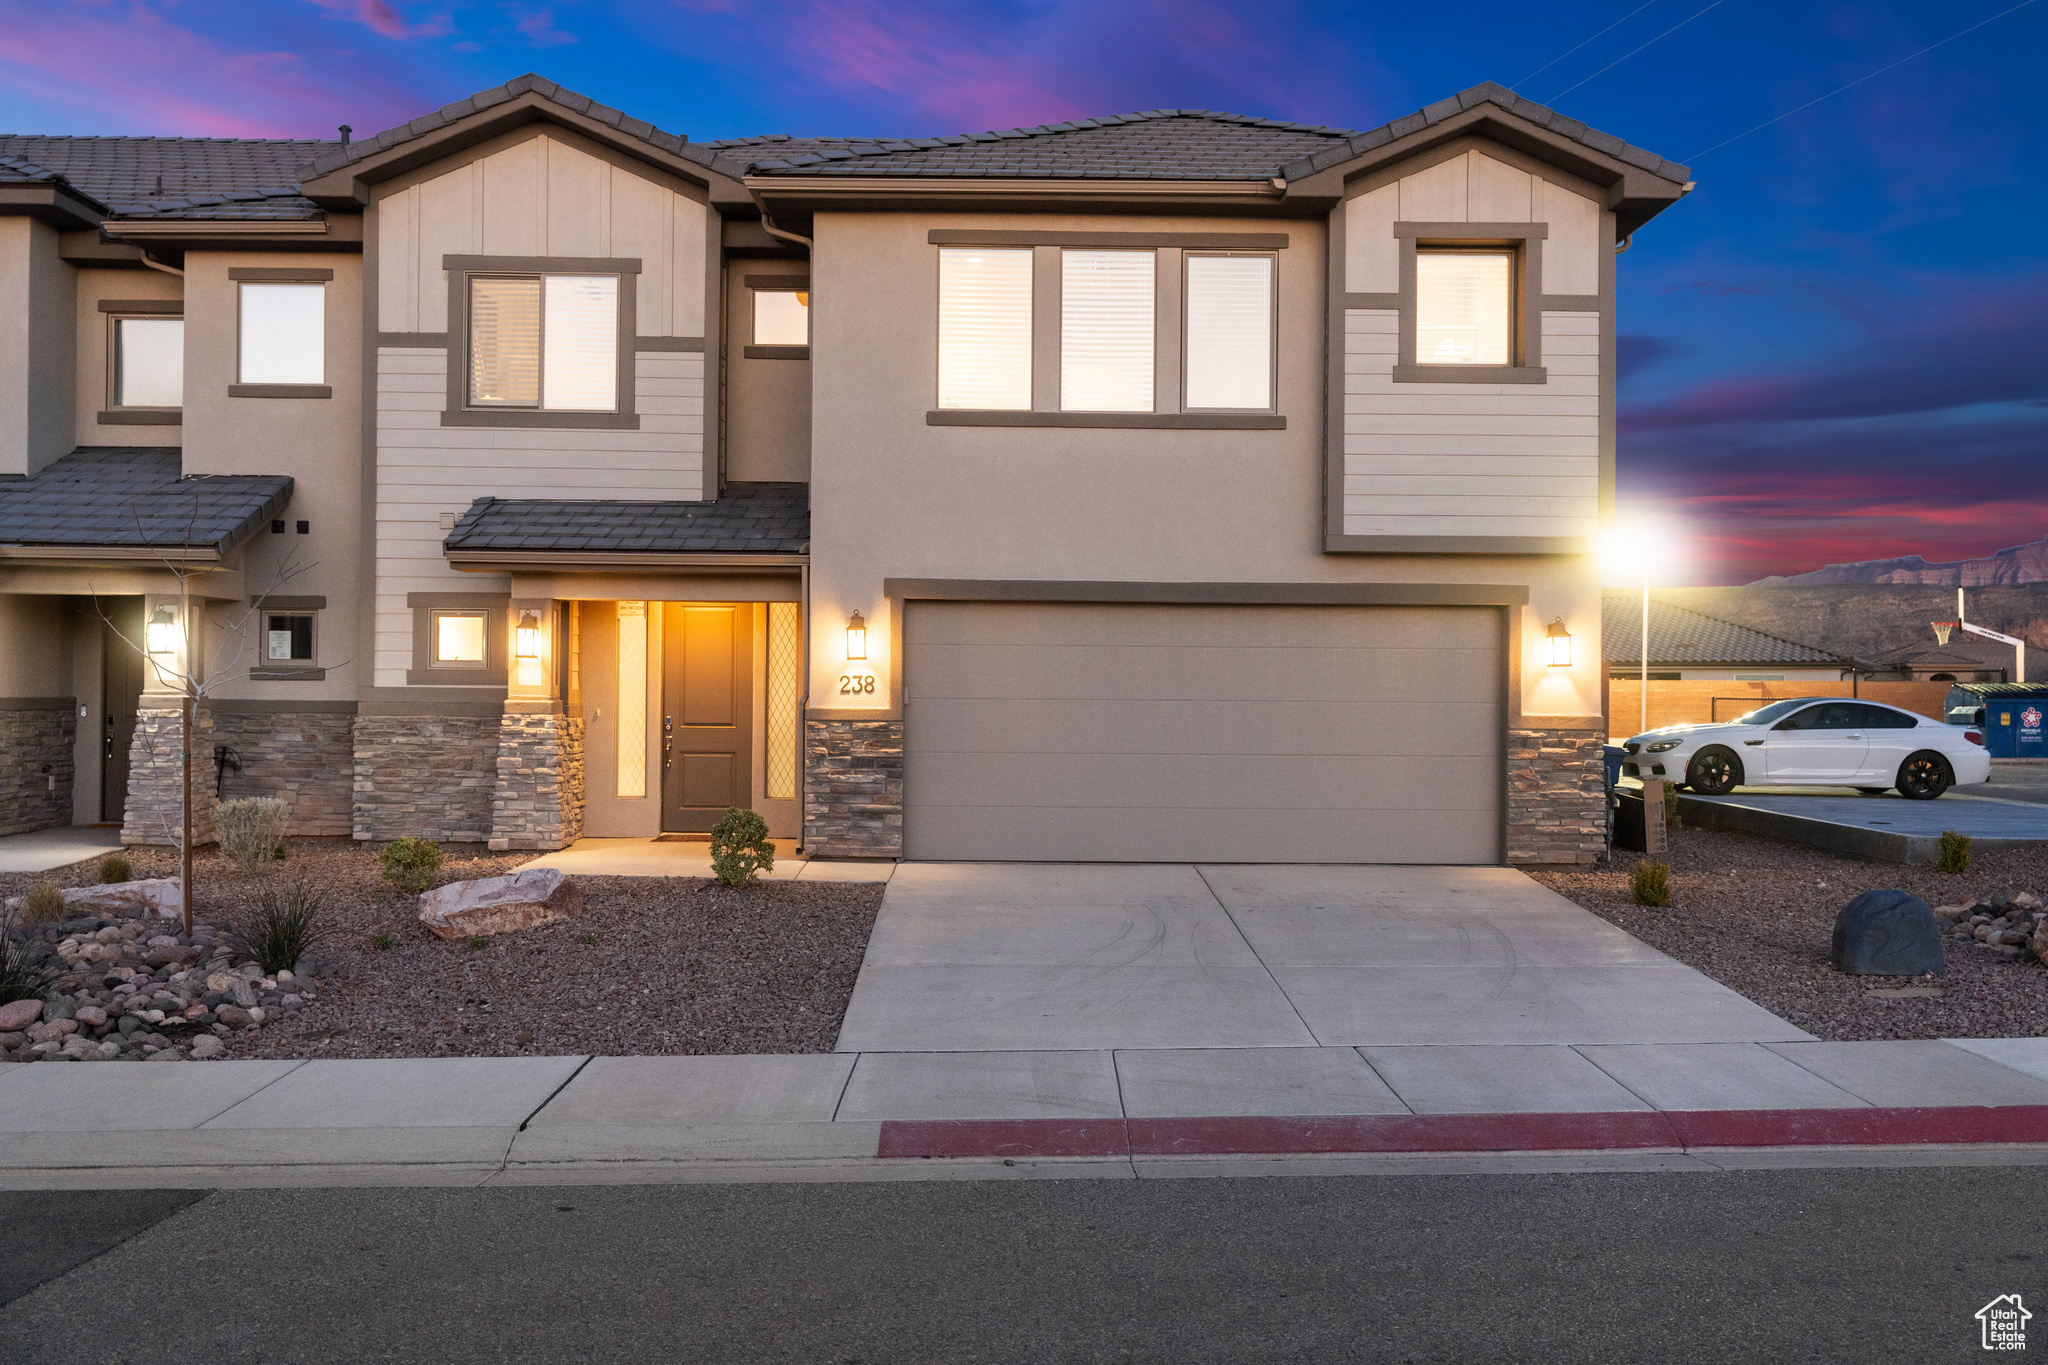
[
  {"x": 893, "y": 497},
  {"x": 95, "y": 355},
  {"x": 32, "y": 663},
  {"x": 767, "y": 402},
  {"x": 38, "y": 347}
]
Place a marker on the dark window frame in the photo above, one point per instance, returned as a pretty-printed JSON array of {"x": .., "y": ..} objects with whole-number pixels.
[
  {"x": 118, "y": 311},
  {"x": 458, "y": 411},
  {"x": 1524, "y": 242}
]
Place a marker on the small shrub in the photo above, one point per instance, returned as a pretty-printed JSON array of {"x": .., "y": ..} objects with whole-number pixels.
[
  {"x": 21, "y": 979},
  {"x": 1671, "y": 820},
  {"x": 1955, "y": 852},
  {"x": 410, "y": 864},
  {"x": 479, "y": 941},
  {"x": 383, "y": 943},
  {"x": 44, "y": 904},
  {"x": 115, "y": 867},
  {"x": 251, "y": 830},
  {"x": 740, "y": 848},
  {"x": 587, "y": 939},
  {"x": 1650, "y": 884},
  {"x": 283, "y": 926}
]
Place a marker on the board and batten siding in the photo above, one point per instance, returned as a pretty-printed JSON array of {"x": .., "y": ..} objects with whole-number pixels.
[
  {"x": 538, "y": 197},
  {"x": 1450, "y": 459}
]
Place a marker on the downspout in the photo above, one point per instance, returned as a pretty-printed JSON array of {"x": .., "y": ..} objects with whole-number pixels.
[
  {"x": 774, "y": 231},
  {"x": 1622, "y": 245},
  {"x": 159, "y": 265}
]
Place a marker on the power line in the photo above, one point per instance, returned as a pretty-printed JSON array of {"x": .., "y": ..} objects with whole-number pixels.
[
  {"x": 1601, "y": 34},
  {"x": 1652, "y": 43},
  {"x": 1860, "y": 79}
]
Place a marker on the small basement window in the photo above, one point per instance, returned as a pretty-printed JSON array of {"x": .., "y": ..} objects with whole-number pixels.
[
  {"x": 288, "y": 638},
  {"x": 459, "y": 639},
  {"x": 1464, "y": 306}
]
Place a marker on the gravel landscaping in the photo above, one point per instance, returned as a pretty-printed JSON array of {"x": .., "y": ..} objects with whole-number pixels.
[
  {"x": 1758, "y": 916},
  {"x": 652, "y": 966}
]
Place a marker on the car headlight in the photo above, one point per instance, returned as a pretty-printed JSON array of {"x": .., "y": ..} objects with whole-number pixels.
[{"x": 1662, "y": 745}]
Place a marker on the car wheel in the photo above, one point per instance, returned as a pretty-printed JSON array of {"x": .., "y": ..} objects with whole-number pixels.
[
  {"x": 1925, "y": 776},
  {"x": 1714, "y": 771}
]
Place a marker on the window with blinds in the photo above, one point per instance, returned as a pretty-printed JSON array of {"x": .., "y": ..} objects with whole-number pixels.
[
  {"x": 1463, "y": 307},
  {"x": 284, "y": 334},
  {"x": 985, "y": 329},
  {"x": 1107, "y": 322},
  {"x": 1229, "y": 311},
  {"x": 549, "y": 342},
  {"x": 149, "y": 362}
]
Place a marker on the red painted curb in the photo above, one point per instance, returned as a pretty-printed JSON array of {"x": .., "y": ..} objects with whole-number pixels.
[{"x": 1394, "y": 1133}]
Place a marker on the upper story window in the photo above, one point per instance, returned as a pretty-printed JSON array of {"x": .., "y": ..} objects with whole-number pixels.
[
  {"x": 1229, "y": 325},
  {"x": 1108, "y": 321},
  {"x": 782, "y": 317},
  {"x": 1464, "y": 306},
  {"x": 283, "y": 334},
  {"x": 545, "y": 342},
  {"x": 985, "y": 329},
  {"x": 148, "y": 356}
]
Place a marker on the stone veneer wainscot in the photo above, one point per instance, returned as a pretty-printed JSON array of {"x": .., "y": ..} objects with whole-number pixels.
[
  {"x": 35, "y": 780},
  {"x": 305, "y": 759},
  {"x": 1557, "y": 797},
  {"x": 156, "y": 798},
  {"x": 430, "y": 777},
  {"x": 538, "y": 800},
  {"x": 854, "y": 794}
]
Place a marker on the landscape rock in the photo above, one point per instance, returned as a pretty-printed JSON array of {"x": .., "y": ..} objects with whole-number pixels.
[
  {"x": 205, "y": 1046},
  {"x": 156, "y": 895},
  {"x": 17, "y": 1015},
  {"x": 497, "y": 905},
  {"x": 1887, "y": 933}
]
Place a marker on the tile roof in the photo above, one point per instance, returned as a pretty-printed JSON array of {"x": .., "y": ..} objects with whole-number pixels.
[
  {"x": 747, "y": 518},
  {"x": 177, "y": 177},
  {"x": 134, "y": 496},
  {"x": 1682, "y": 637}
]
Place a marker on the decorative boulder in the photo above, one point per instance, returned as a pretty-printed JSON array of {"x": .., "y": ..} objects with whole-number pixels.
[
  {"x": 1887, "y": 933},
  {"x": 497, "y": 905},
  {"x": 153, "y": 895},
  {"x": 17, "y": 1015}
]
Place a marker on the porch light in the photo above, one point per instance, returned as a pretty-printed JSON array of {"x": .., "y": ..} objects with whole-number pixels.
[
  {"x": 856, "y": 637},
  {"x": 1560, "y": 644},
  {"x": 163, "y": 632},
  {"x": 528, "y": 646}
]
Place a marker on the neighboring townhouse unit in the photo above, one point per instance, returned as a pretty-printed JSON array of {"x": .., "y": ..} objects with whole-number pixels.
[{"x": 1163, "y": 486}]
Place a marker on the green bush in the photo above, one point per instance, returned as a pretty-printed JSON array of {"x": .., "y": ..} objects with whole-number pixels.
[
  {"x": 1650, "y": 884},
  {"x": 44, "y": 904},
  {"x": 115, "y": 867},
  {"x": 740, "y": 848},
  {"x": 410, "y": 864},
  {"x": 283, "y": 926},
  {"x": 383, "y": 942},
  {"x": 1671, "y": 820},
  {"x": 1955, "y": 851},
  {"x": 251, "y": 830}
]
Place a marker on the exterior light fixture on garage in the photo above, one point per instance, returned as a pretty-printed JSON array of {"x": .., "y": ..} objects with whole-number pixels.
[
  {"x": 528, "y": 645},
  {"x": 856, "y": 637},
  {"x": 1560, "y": 644},
  {"x": 163, "y": 632}
]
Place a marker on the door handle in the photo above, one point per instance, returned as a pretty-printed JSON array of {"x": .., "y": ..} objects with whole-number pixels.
[
  {"x": 668, "y": 738},
  {"x": 1752, "y": 742},
  {"x": 1853, "y": 735}
]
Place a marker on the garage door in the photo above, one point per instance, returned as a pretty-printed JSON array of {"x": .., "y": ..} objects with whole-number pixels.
[{"x": 1124, "y": 733}]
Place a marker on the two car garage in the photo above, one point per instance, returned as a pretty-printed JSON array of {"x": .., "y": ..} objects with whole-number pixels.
[{"x": 1123, "y": 732}]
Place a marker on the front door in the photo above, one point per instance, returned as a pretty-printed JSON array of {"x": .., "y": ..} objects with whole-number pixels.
[
  {"x": 706, "y": 712},
  {"x": 120, "y": 692},
  {"x": 1824, "y": 743}
]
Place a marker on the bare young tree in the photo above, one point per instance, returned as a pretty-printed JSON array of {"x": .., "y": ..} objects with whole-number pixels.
[{"x": 200, "y": 675}]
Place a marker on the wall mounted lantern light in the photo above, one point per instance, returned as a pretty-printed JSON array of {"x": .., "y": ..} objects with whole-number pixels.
[
  {"x": 1560, "y": 644},
  {"x": 163, "y": 632},
  {"x": 528, "y": 639},
  {"x": 856, "y": 637}
]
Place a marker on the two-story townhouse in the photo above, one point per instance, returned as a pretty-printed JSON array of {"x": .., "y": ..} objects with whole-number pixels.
[{"x": 1162, "y": 486}]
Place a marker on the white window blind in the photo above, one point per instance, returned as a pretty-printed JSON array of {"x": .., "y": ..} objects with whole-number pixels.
[
  {"x": 1230, "y": 332},
  {"x": 149, "y": 362},
  {"x": 1107, "y": 321},
  {"x": 504, "y": 341},
  {"x": 580, "y": 344},
  {"x": 1462, "y": 307},
  {"x": 284, "y": 334},
  {"x": 631, "y": 773},
  {"x": 782, "y": 317},
  {"x": 984, "y": 329}
]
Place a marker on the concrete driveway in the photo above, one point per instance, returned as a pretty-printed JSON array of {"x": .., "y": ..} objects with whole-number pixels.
[{"x": 1009, "y": 957}]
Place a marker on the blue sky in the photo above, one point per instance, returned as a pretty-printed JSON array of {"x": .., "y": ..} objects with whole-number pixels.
[{"x": 1836, "y": 348}]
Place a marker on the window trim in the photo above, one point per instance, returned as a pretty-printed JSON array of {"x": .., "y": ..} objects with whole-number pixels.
[
  {"x": 268, "y": 669},
  {"x": 427, "y": 608},
  {"x": 457, "y": 413},
  {"x": 240, "y": 276},
  {"x": 118, "y": 311},
  {"x": 1525, "y": 337},
  {"x": 774, "y": 284},
  {"x": 1272, "y": 336}
]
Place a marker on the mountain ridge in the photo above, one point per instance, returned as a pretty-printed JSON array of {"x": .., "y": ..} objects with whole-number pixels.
[{"x": 2012, "y": 566}]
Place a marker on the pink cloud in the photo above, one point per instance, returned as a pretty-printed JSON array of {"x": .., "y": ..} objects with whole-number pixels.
[{"x": 383, "y": 17}]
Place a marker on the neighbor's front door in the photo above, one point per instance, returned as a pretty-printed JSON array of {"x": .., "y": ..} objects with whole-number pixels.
[{"x": 706, "y": 712}]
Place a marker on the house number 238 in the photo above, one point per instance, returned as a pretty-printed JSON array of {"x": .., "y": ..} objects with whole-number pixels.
[{"x": 856, "y": 682}]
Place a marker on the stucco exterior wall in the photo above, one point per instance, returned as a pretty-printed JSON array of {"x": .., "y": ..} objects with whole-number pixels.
[
  {"x": 38, "y": 347},
  {"x": 95, "y": 355},
  {"x": 893, "y": 497},
  {"x": 767, "y": 402}
]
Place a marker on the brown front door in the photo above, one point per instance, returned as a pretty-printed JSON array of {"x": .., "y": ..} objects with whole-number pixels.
[
  {"x": 121, "y": 689},
  {"x": 706, "y": 712}
]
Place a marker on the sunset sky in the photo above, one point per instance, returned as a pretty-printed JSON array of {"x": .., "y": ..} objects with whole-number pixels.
[{"x": 1836, "y": 348}]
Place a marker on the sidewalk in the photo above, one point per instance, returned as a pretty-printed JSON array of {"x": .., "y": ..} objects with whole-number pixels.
[{"x": 1118, "y": 1114}]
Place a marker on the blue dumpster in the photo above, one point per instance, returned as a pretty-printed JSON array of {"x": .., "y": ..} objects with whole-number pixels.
[{"x": 2010, "y": 715}]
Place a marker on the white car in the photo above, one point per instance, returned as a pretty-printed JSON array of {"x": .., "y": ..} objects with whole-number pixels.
[{"x": 1815, "y": 741}]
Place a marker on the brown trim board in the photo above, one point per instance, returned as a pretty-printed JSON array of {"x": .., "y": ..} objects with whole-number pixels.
[
  {"x": 142, "y": 417},
  {"x": 1156, "y": 421},
  {"x": 173, "y": 307},
  {"x": 280, "y": 391},
  {"x": 1458, "y": 545},
  {"x": 280, "y": 274},
  {"x": 668, "y": 344},
  {"x": 1198, "y": 241},
  {"x": 1209, "y": 594},
  {"x": 775, "y": 352},
  {"x": 425, "y": 341},
  {"x": 800, "y": 283},
  {"x": 37, "y": 703},
  {"x": 280, "y": 603},
  {"x": 250, "y": 706}
]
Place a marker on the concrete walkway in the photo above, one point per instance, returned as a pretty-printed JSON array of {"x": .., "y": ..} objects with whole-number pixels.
[
  {"x": 1124, "y": 1112},
  {"x": 48, "y": 849},
  {"x": 692, "y": 858},
  {"x": 1005, "y": 956}
]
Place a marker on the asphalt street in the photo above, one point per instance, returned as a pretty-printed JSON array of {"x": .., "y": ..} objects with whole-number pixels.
[
  {"x": 1867, "y": 1265},
  {"x": 2014, "y": 782}
]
